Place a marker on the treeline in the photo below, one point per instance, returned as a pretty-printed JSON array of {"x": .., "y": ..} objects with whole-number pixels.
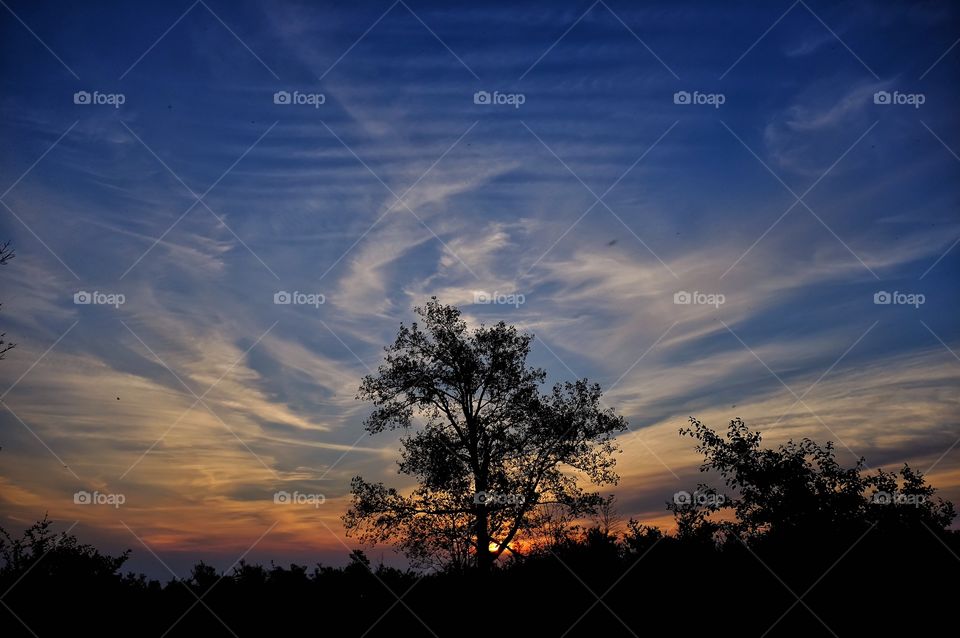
[
  {"x": 849, "y": 583},
  {"x": 812, "y": 549}
]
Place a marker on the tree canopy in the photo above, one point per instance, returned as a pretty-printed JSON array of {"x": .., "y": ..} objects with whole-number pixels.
[
  {"x": 487, "y": 446},
  {"x": 800, "y": 490}
]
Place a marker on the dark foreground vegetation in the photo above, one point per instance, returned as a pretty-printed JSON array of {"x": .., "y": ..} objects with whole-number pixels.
[
  {"x": 508, "y": 541},
  {"x": 811, "y": 549}
]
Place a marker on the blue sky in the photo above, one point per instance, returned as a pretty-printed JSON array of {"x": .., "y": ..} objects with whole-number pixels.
[{"x": 594, "y": 201}]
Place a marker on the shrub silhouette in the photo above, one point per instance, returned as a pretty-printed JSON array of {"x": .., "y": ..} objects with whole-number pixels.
[
  {"x": 800, "y": 489},
  {"x": 806, "y": 549}
]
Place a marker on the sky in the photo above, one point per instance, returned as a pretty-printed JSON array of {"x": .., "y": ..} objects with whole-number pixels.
[{"x": 712, "y": 209}]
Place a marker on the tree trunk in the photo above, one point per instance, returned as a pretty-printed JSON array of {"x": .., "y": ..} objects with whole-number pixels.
[{"x": 484, "y": 561}]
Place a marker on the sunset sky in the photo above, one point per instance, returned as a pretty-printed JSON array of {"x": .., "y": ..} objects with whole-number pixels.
[{"x": 149, "y": 157}]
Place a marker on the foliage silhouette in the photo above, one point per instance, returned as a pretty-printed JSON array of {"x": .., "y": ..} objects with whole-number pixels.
[
  {"x": 800, "y": 489},
  {"x": 866, "y": 567},
  {"x": 493, "y": 449}
]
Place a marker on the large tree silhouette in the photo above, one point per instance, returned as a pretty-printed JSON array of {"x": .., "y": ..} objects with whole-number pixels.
[{"x": 488, "y": 449}]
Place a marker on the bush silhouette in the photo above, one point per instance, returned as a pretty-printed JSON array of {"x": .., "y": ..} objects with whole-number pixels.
[{"x": 806, "y": 549}]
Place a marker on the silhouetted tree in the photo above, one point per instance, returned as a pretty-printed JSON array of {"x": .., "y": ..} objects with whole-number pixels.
[
  {"x": 45, "y": 554},
  {"x": 203, "y": 576},
  {"x": 799, "y": 488},
  {"x": 555, "y": 525},
  {"x": 640, "y": 538},
  {"x": 492, "y": 447},
  {"x": 692, "y": 517},
  {"x": 607, "y": 518}
]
